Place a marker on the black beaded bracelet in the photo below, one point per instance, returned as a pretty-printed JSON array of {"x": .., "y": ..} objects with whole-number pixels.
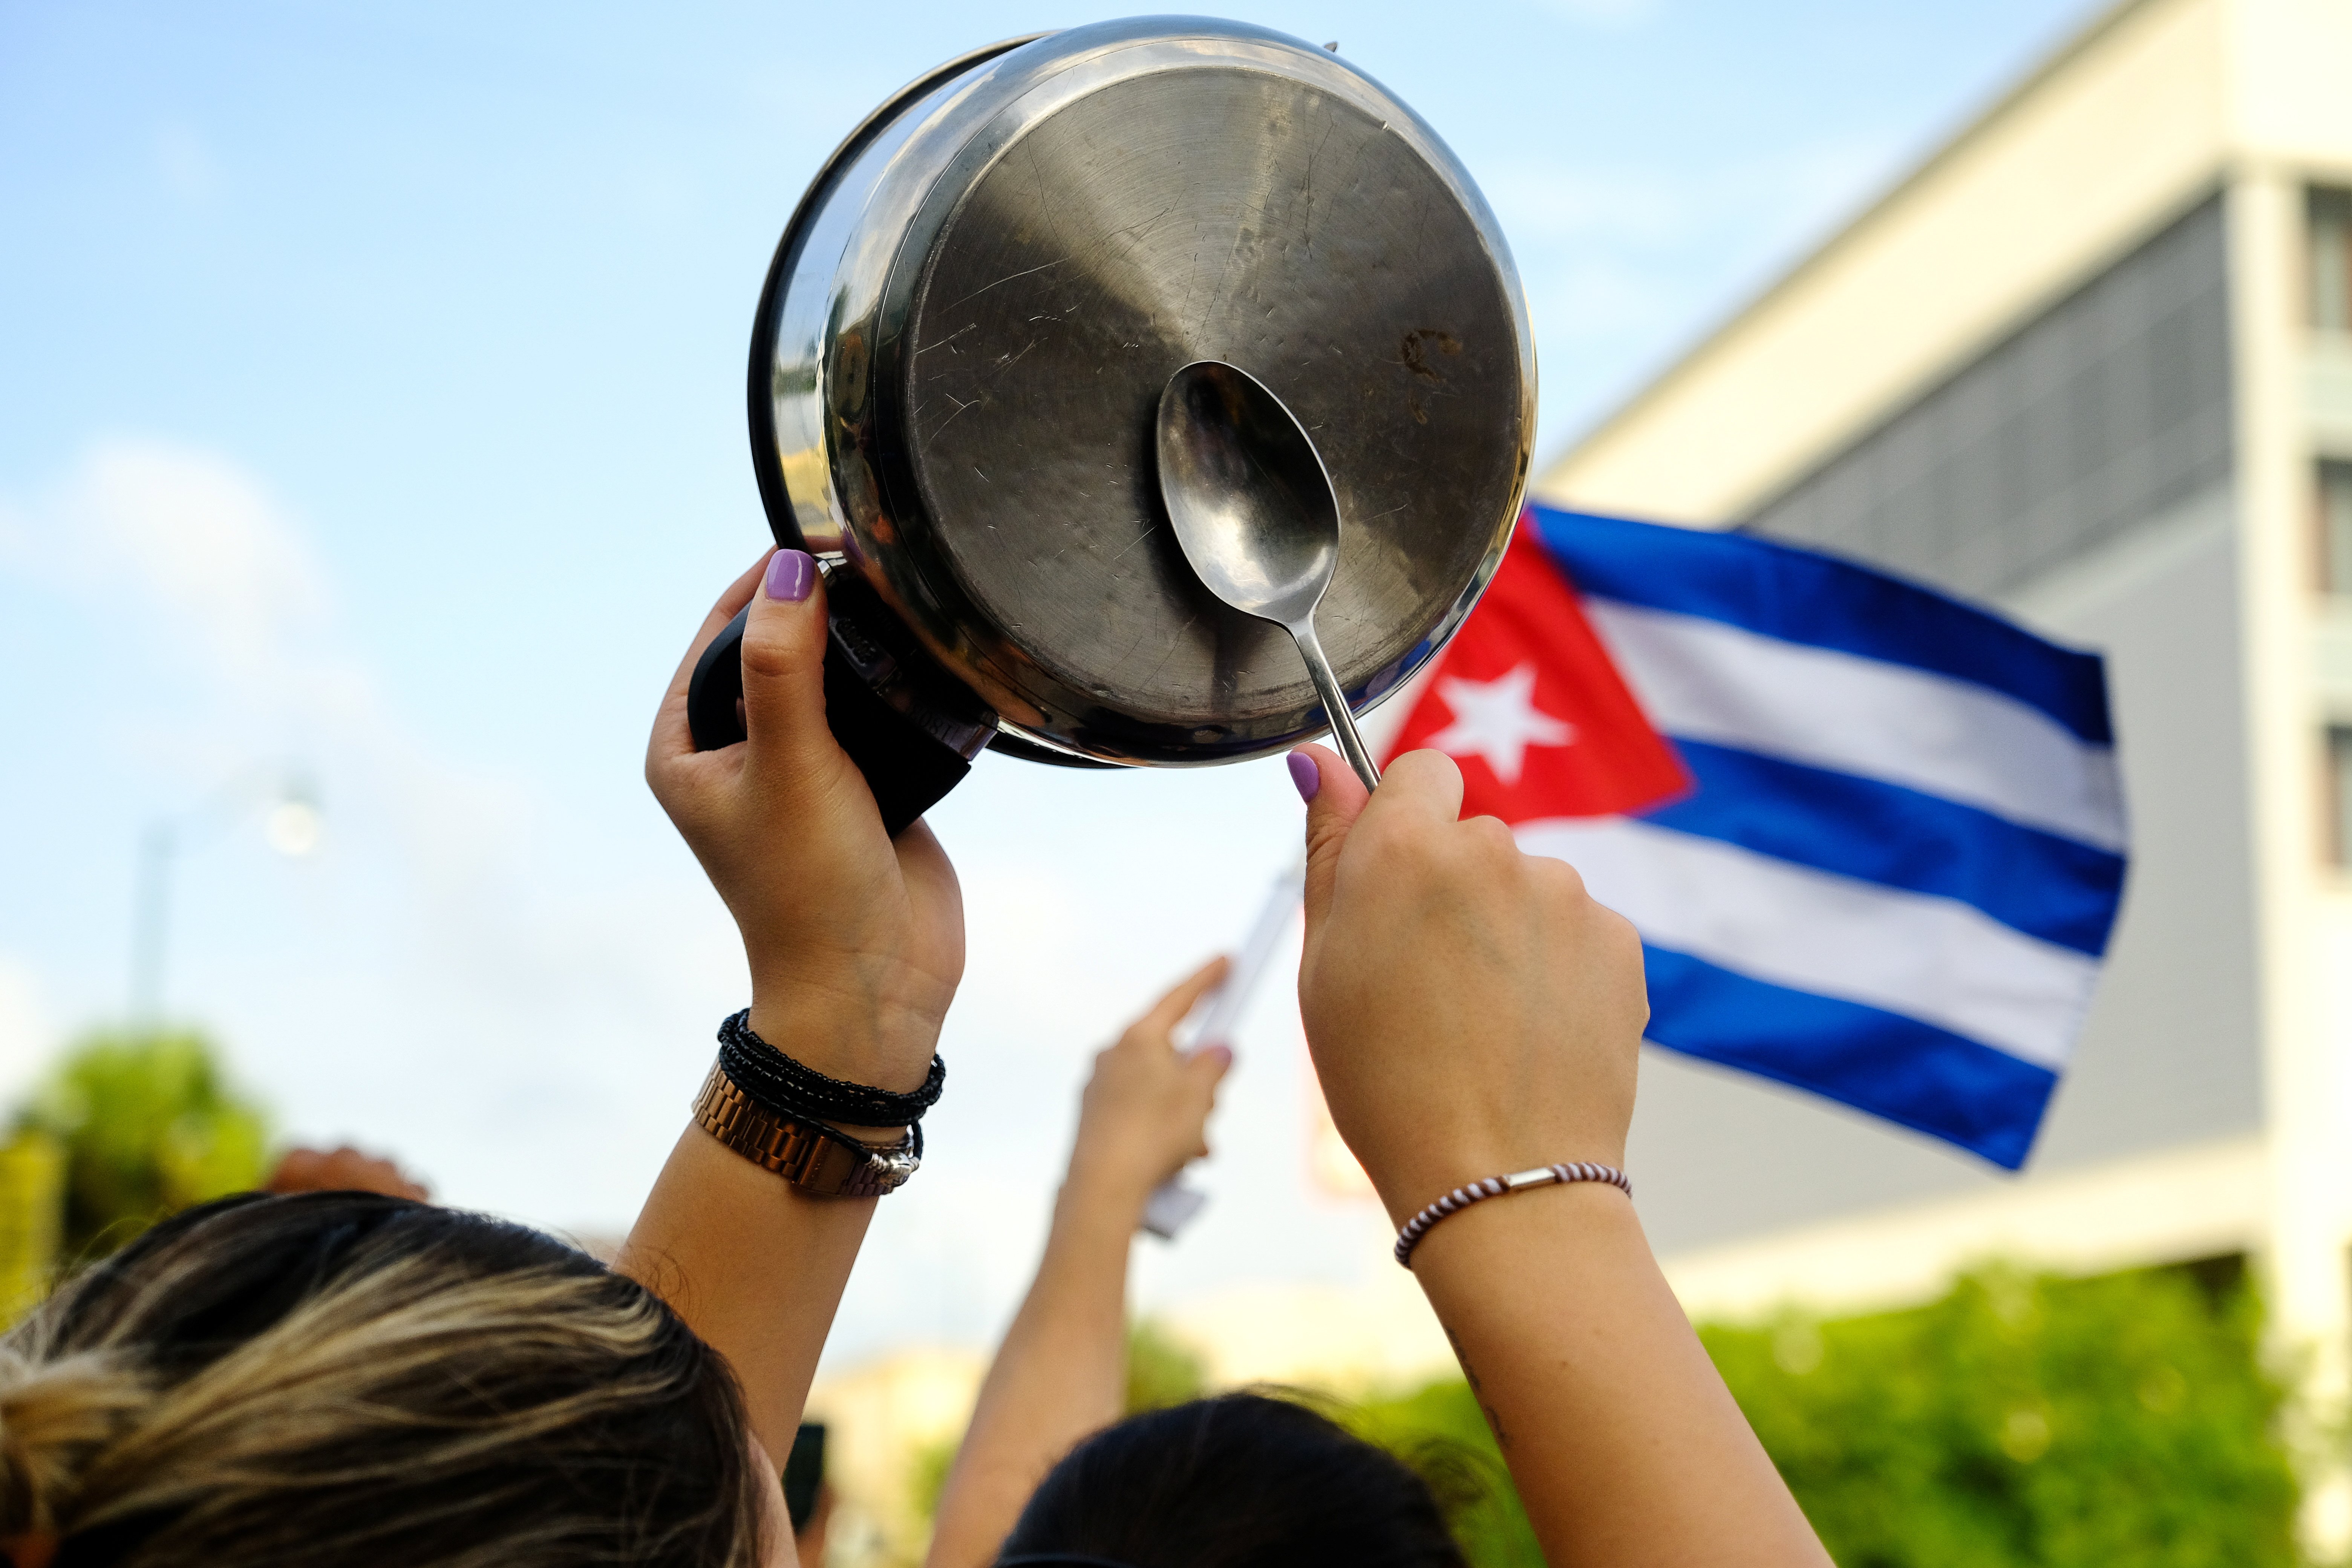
[{"x": 776, "y": 1083}]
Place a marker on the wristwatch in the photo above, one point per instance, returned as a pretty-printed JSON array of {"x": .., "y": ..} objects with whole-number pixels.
[{"x": 810, "y": 1155}]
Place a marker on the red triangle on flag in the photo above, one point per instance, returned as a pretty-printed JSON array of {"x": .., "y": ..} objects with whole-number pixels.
[{"x": 1527, "y": 700}]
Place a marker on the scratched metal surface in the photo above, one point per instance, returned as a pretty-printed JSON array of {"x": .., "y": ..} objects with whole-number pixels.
[
  {"x": 1208, "y": 214},
  {"x": 972, "y": 315}
]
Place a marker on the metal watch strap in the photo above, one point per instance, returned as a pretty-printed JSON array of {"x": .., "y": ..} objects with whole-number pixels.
[{"x": 815, "y": 1159}]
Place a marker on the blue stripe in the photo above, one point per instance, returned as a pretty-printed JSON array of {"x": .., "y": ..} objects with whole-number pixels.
[
  {"x": 1821, "y": 601},
  {"x": 2036, "y": 882},
  {"x": 1939, "y": 1083}
]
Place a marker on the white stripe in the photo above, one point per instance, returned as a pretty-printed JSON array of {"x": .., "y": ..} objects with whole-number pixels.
[
  {"x": 1932, "y": 959},
  {"x": 1708, "y": 681}
]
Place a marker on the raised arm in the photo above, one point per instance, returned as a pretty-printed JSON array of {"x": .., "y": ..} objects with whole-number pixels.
[
  {"x": 1061, "y": 1372},
  {"x": 1473, "y": 1013},
  {"x": 855, "y": 944}
]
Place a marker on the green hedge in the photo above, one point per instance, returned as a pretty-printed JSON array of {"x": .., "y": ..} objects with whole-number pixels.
[{"x": 2023, "y": 1421}]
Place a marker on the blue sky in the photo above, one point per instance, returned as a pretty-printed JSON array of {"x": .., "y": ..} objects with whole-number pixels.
[{"x": 372, "y": 405}]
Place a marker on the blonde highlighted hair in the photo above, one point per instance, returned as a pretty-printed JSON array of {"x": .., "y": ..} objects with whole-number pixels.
[{"x": 351, "y": 1379}]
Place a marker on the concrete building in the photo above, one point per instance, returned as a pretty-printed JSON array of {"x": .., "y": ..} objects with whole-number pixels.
[{"x": 2091, "y": 362}]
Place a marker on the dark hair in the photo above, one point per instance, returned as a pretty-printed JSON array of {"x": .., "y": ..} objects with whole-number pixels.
[
  {"x": 1238, "y": 1481},
  {"x": 346, "y": 1378}
]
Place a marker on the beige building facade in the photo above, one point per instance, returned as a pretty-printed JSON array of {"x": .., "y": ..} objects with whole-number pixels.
[{"x": 2091, "y": 362}]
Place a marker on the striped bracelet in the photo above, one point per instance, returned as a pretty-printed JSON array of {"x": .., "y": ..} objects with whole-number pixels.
[{"x": 1495, "y": 1187}]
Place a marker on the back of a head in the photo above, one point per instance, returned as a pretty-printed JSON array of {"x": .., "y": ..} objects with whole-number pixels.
[
  {"x": 1238, "y": 1481},
  {"x": 345, "y": 1378}
]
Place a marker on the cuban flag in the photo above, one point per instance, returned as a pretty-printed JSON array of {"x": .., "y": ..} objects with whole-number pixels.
[{"x": 1872, "y": 837}]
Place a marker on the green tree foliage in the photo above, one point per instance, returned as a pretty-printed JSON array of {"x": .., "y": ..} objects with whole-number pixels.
[
  {"x": 2029, "y": 1420},
  {"x": 32, "y": 1210},
  {"x": 1162, "y": 1370},
  {"x": 927, "y": 1475},
  {"x": 149, "y": 1126},
  {"x": 2023, "y": 1421},
  {"x": 1440, "y": 1432}
]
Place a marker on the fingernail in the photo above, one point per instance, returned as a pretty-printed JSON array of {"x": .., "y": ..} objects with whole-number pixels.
[
  {"x": 790, "y": 574},
  {"x": 1224, "y": 1054},
  {"x": 1305, "y": 774}
]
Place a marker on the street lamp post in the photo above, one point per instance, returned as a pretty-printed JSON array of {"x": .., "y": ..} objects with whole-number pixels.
[{"x": 292, "y": 828}]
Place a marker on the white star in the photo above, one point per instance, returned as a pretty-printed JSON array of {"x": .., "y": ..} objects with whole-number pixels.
[{"x": 1498, "y": 720}]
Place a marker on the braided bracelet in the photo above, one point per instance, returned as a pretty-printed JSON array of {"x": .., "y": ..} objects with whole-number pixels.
[
  {"x": 1495, "y": 1187},
  {"x": 776, "y": 1083}
]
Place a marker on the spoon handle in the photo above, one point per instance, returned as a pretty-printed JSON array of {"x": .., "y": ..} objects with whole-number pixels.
[{"x": 1335, "y": 706}]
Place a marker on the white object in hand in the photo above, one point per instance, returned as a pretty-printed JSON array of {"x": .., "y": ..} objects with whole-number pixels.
[{"x": 1172, "y": 1205}]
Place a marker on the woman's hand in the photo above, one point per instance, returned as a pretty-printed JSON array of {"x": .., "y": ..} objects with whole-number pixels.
[
  {"x": 1473, "y": 1013},
  {"x": 1470, "y": 1009},
  {"x": 855, "y": 942},
  {"x": 1145, "y": 1109},
  {"x": 1061, "y": 1372},
  {"x": 856, "y": 945},
  {"x": 343, "y": 1169}
]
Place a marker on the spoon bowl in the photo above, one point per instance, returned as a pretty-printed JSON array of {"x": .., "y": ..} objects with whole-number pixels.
[
  {"x": 1246, "y": 491},
  {"x": 1256, "y": 514}
]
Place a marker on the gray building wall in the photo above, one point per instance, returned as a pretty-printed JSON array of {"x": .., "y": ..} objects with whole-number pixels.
[
  {"x": 2078, "y": 475},
  {"x": 2109, "y": 408}
]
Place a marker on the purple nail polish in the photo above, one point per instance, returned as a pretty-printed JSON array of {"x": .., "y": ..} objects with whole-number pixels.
[
  {"x": 1305, "y": 774},
  {"x": 790, "y": 574}
]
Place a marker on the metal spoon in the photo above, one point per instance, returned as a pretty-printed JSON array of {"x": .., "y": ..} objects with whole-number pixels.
[{"x": 1256, "y": 514}]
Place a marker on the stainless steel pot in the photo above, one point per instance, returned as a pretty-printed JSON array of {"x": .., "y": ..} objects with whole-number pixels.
[{"x": 964, "y": 336}]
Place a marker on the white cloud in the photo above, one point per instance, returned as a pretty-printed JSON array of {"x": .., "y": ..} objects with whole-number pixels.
[
  {"x": 441, "y": 926},
  {"x": 189, "y": 170},
  {"x": 1546, "y": 202},
  {"x": 1549, "y": 202},
  {"x": 1620, "y": 260},
  {"x": 188, "y": 535}
]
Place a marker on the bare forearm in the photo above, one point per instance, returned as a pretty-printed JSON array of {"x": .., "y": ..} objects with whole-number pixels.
[
  {"x": 754, "y": 1265},
  {"x": 1060, "y": 1376},
  {"x": 1604, "y": 1403}
]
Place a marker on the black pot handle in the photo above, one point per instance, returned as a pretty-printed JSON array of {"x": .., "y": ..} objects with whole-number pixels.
[{"x": 908, "y": 768}]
